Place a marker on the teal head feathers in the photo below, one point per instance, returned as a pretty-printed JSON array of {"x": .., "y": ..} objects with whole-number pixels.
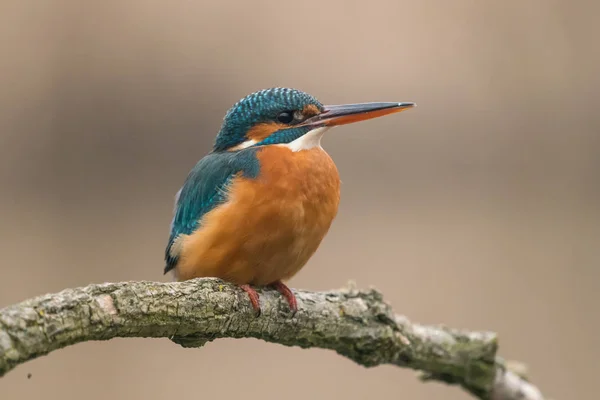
[
  {"x": 264, "y": 113},
  {"x": 283, "y": 115}
]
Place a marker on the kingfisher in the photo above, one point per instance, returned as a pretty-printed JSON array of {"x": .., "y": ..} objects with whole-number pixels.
[{"x": 255, "y": 209}]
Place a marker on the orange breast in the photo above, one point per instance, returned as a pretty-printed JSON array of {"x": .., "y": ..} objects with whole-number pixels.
[{"x": 271, "y": 225}]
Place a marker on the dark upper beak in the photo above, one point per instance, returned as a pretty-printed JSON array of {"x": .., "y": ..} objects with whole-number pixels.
[{"x": 349, "y": 113}]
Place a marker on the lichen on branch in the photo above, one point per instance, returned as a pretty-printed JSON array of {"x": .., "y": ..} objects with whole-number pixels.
[{"x": 357, "y": 324}]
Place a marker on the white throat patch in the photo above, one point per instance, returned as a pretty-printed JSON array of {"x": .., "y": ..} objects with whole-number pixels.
[{"x": 308, "y": 141}]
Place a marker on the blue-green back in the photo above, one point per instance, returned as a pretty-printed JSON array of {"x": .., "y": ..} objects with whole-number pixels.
[{"x": 204, "y": 189}]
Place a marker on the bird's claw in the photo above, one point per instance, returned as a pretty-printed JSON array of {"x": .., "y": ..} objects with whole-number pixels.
[
  {"x": 254, "y": 298},
  {"x": 287, "y": 293}
]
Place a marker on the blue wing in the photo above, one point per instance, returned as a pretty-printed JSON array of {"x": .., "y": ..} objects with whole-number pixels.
[{"x": 204, "y": 189}]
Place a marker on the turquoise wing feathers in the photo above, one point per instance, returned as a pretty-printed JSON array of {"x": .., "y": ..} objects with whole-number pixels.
[{"x": 205, "y": 189}]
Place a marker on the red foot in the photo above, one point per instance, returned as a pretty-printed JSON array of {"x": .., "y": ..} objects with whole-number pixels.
[
  {"x": 287, "y": 293},
  {"x": 253, "y": 297}
]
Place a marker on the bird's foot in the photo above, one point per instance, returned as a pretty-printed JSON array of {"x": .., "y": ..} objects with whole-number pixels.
[
  {"x": 288, "y": 294},
  {"x": 253, "y": 298}
]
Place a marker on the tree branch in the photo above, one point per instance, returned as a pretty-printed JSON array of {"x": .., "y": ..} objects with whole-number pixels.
[{"x": 356, "y": 324}]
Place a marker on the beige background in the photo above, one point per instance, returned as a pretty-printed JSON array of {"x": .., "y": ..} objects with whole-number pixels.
[{"x": 479, "y": 209}]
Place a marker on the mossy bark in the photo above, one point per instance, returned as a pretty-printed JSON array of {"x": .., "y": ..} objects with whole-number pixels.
[{"x": 356, "y": 324}]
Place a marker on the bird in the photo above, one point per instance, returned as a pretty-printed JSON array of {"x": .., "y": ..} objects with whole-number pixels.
[{"x": 255, "y": 209}]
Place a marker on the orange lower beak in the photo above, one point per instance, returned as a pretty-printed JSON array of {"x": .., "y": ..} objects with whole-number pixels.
[{"x": 349, "y": 113}]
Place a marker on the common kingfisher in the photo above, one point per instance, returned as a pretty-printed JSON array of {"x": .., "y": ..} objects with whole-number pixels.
[{"x": 256, "y": 208}]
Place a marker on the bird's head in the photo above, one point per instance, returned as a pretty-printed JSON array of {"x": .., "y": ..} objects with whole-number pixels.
[{"x": 283, "y": 115}]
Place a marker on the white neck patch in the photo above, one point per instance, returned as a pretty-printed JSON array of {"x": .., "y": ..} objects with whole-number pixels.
[
  {"x": 307, "y": 141},
  {"x": 244, "y": 145}
]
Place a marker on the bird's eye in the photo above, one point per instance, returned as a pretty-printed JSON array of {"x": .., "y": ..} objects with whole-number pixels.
[{"x": 285, "y": 117}]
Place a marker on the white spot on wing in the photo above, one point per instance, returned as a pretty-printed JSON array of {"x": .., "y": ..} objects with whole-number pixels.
[
  {"x": 177, "y": 245},
  {"x": 177, "y": 199},
  {"x": 175, "y": 206}
]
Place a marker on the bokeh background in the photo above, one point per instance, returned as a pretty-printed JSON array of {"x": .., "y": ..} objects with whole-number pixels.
[{"x": 479, "y": 209}]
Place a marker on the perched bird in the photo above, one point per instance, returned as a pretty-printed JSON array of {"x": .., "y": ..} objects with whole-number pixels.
[{"x": 255, "y": 209}]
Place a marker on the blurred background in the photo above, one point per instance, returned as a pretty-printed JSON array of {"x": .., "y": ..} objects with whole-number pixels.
[{"x": 479, "y": 209}]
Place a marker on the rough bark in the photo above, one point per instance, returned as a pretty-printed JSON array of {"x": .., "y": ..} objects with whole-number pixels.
[{"x": 356, "y": 324}]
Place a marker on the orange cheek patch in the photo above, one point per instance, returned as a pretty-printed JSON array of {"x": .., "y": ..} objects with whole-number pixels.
[
  {"x": 310, "y": 110},
  {"x": 264, "y": 130}
]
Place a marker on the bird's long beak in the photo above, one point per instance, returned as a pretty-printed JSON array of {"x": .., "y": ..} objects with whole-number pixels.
[{"x": 349, "y": 113}]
